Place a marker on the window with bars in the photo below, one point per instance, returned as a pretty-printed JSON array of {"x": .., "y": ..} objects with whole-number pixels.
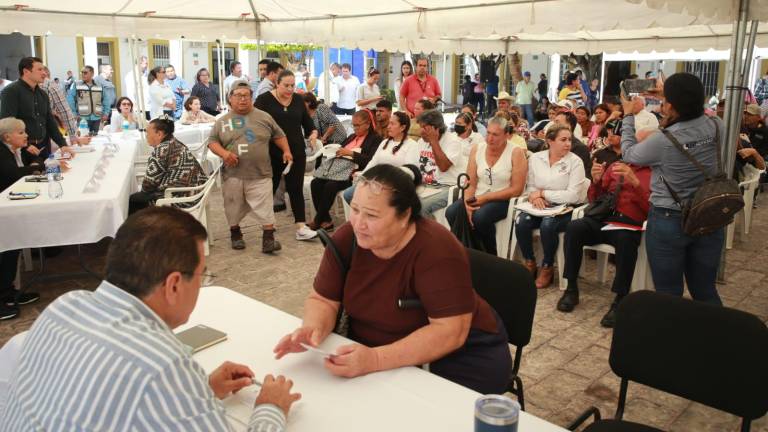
[
  {"x": 104, "y": 53},
  {"x": 708, "y": 72},
  {"x": 161, "y": 55}
]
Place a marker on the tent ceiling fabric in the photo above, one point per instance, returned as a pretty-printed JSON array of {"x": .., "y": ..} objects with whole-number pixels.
[
  {"x": 723, "y": 11},
  {"x": 450, "y": 26}
]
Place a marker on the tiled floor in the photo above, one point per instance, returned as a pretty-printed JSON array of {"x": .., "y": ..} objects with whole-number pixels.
[{"x": 565, "y": 368}]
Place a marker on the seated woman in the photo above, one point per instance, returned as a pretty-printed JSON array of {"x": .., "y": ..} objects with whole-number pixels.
[
  {"x": 464, "y": 127},
  {"x": 583, "y": 119},
  {"x": 497, "y": 172},
  {"x": 631, "y": 209},
  {"x": 329, "y": 128},
  {"x": 124, "y": 113},
  {"x": 477, "y": 126},
  {"x": 13, "y": 166},
  {"x": 335, "y": 174},
  {"x": 193, "y": 113},
  {"x": 399, "y": 254},
  {"x": 601, "y": 114},
  {"x": 170, "y": 165},
  {"x": 397, "y": 150},
  {"x": 513, "y": 137},
  {"x": 419, "y": 107},
  {"x": 555, "y": 176},
  {"x": 519, "y": 123}
]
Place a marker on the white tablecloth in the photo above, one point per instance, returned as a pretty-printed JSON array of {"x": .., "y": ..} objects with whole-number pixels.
[
  {"x": 193, "y": 134},
  {"x": 406, "y": 399},
  {"x": 76, "y": 217}
]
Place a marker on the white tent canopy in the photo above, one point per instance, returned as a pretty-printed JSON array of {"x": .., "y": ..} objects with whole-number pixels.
[{"x": 442, "y": 26}]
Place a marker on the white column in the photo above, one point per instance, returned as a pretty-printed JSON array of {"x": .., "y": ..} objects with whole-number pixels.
[
  {"x": 554, "y": 76},
  {"x": 175, "y": 52},
  {"x": 602, "y": 78},
  {"x": 90, "y": 54}
]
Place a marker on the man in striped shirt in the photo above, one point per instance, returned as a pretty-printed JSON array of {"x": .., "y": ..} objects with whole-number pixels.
[{"x": 108, "y": 360}]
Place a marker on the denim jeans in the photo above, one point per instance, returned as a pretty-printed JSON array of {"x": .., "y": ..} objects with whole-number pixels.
[
  {"x": 435, "y": 201},
  {"x": 483, "y": 219},
  {"x": 527, "y": 110},
  {"x": 549, "y": 227},
  {"x": 673, "y": 255}
]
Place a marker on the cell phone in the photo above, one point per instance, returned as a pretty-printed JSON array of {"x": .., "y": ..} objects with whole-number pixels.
[
  {"x": 36, "y": 179},
  {"x": 638, "y": 86}
]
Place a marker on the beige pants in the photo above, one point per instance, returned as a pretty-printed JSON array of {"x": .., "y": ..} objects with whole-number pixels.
[{"x": 244, "y": 196}]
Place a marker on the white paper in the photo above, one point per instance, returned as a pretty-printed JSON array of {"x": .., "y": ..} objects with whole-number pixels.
[
  {"x": 316, "y": 350},
  {"x": 547, "y": 211}
]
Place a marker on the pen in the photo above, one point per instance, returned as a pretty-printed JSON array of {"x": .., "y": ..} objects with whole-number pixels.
[{"x": 254, "y": 381}]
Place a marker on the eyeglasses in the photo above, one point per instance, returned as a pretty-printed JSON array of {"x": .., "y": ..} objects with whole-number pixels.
[
  {"x": 358, "y": 125},
  {"x": 375, "y": 186},
  {"x": 489, "y": 176},
  {"x": 241, "y": 95},
  {"x": 207, "y": 276}
]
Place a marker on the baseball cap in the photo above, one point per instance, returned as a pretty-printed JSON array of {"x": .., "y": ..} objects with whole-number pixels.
[{"x": 527, "y": 73}]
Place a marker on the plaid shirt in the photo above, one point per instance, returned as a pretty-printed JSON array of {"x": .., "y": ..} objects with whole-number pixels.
[
  {"x": 761, "y": 91},
  {"x": 59, "y": 106}
]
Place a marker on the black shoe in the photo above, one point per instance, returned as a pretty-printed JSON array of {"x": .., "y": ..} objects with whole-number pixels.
[
  {"x": 609, "y": 319},
  {"x": 568, "y": 301},
  {"x": 21, "y": 298},
  {"x": 236, "y": 236},
  {"x": 8, "y": 312},
  {"x": 279, "y": 207}
]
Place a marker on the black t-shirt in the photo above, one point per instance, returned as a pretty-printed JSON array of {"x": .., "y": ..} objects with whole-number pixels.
[{"x": 294, "y": 120}]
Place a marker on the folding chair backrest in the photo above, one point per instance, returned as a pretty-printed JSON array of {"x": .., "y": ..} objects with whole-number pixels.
[
  {"x": 709, "y": 354},
  {"x": 509, "y": 288}
]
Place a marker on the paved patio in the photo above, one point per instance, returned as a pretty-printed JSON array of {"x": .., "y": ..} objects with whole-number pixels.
[{"x": 565, "y": 368}]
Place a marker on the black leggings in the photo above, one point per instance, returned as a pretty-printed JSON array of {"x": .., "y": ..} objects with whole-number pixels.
[
  {"x": 324, "y": 195},
  {"x": 141, "y": 200},
  {"x": 294, "y": 181}
]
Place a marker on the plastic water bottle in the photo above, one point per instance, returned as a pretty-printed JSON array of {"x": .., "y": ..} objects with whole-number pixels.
[
  {"x": 126, "y": 127},
  {"x": 53, "y": 172},
  {"x": 83, "y": 128}
]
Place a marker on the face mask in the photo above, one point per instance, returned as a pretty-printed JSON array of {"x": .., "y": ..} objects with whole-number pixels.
[{"x": 459, "y": 129}]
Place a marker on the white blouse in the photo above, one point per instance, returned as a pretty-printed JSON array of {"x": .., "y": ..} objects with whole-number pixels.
[
  {"x": 563, "y": 182},
  {"x": 408, "y": 153}
]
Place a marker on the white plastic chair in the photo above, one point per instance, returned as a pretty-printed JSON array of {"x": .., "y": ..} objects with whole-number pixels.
[
  {"x": 196, "y": 194},
  {"x": 748, "y": 187},
  {"x": 9, "y": 358},
  {"x": 641, "y": 280},
  {"x": 309, "y": 175}
]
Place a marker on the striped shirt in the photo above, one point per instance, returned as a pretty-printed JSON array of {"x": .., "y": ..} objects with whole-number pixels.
[{"x": 104, "y": 361}]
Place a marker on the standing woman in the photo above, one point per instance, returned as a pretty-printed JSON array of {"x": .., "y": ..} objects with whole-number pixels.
[
  {"x": 161, "y": 98},
  {"x": 207, "y": 92},
  {"x": 406, "y": 70},
  {"x": 288, "y": 110},
  {"x": 369, "y": 94}
]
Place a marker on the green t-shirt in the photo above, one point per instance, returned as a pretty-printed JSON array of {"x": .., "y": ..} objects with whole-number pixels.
[{"x": 249, "y": 138}]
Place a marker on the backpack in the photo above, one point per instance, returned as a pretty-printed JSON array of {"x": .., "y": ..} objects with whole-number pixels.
[{"x": 715, "y": 202}]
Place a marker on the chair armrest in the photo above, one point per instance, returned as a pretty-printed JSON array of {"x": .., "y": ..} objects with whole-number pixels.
[
  {"x": 591, "y": 411},
  {"x": 451, "y": 191},
  {"x": 179, "y": 200},
  {"x": 168, "y": 193}
]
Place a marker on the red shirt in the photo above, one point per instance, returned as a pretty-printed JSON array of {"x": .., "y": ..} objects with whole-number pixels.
[
  {"x": 633, "y": 201},
  {"x": 414, "y": 89},
  {"x": 432, "y": 267}
]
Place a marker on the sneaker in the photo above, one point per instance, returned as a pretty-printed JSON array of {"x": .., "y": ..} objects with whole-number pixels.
[
  {"x": 568, "y": 301},
  {"x": 21, "y": 298},
  {"x": 8, "y": 312},
  {"x": 237, "y": 238},
  {"x": 304, "y": 233},
  {"x": 269, "y": 244}
]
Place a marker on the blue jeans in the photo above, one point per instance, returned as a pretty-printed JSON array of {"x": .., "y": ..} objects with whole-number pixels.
[
  {"x": 673, "y": 255},
  {"x": 527, "y": 110},
  {"x": 549, "y": 227},
  {"x": 484, "y": 220},
  {"x": 434, "y": 202}
]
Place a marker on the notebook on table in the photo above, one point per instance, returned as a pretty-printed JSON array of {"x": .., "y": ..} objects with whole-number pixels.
[{"x": 201, "y": 337}]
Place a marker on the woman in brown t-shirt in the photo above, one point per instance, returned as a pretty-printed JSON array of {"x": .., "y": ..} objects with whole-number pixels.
[{"x": 399, "y": 255}]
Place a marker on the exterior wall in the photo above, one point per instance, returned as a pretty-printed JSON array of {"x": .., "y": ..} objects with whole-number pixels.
[
  {"x": 196, "y": 57},
  {"x": 62, "y": 56}
]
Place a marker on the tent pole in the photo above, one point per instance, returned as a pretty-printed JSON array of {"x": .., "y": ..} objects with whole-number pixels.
[
  {"x": 220, "y": 66},
  {"x": 734, "y": 104},
  {"x": 443, "y": 87},
  {"x": 602, "y": 75},
  {"x": 326, "y": 74}
]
